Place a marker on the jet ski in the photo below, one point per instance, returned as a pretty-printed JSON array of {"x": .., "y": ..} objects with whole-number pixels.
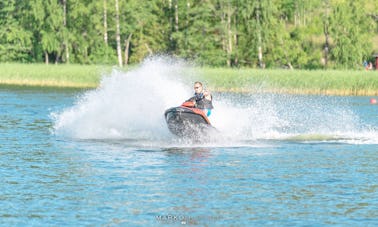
[{"x": 187, "y": 121}]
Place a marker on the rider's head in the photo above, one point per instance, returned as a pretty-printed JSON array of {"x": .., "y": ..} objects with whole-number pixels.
[{"x": 198, "y": 87}]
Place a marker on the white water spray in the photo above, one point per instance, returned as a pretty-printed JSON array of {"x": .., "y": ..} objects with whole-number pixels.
[{"x": 127, "y": 105}]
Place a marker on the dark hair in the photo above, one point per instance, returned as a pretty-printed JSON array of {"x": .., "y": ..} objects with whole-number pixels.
[{"x": 197, "y": 82}]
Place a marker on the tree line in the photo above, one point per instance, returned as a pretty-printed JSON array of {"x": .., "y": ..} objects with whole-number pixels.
[{"x": 235, "y": 33}]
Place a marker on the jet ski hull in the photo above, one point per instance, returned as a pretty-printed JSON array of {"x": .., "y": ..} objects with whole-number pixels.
[{"x": 187, "y": 122}]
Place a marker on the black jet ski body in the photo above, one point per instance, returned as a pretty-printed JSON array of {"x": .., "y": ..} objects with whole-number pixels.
[{"x": 188, "y": 122}]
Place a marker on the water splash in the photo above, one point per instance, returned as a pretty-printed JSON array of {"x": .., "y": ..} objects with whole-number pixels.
[
  {"x": 130, "y": 105},
  {"x": 127, "y": 105}
]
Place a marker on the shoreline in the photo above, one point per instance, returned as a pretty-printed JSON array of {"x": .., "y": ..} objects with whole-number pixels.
[
  {"x": 301, "y": 92},
  {"x": 46, "y": 84},
  {"x": 75, "y": 86},
  {"x": 279, "y": 81}
]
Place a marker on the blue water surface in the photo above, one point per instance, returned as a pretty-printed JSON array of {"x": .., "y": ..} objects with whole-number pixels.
[{"x": 51, "y": 180}]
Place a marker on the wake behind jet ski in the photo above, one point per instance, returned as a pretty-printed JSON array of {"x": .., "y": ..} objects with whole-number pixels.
[{"x": 191, "y": 118}]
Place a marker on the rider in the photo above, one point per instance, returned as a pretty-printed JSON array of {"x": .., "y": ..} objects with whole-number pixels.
[{"x": 202, "y": 98}]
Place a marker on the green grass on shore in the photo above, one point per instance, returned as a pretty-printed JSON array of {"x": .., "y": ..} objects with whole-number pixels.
[
  {"x": 331, "y": 82},
  {"x": 75, "y": 76}
]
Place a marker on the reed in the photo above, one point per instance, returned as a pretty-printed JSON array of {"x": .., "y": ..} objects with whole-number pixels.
[{"x": 328, "y": 82}]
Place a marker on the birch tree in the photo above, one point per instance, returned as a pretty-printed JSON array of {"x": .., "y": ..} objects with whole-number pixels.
[{"x": 118, "y": 35}]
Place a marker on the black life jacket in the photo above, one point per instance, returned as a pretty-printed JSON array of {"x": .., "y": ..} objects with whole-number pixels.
[{"x": 202, "y": 102}]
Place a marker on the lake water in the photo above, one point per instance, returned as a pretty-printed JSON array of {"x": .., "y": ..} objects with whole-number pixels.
[{"x": 101, "y": 158}]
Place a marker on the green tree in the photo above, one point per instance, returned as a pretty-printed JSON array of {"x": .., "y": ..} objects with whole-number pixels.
[
  {"x": 101, "y": 31},
  {"x": 15, "y": 41},
  {"x": 201, "y": 34},
  {"x": 260, "y": 33},
  {"x": 350, "y": 31},
  {"x": 144, "y": 27},
  {"x": 48, "y": 27}
]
